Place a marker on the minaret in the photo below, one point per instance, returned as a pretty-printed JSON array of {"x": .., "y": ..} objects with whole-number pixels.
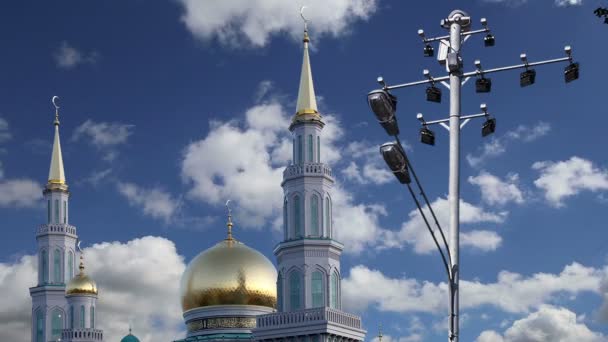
[
  {"x": 56, "y": 247},
  {"x": 309, "y": 278},
  {"x": 81, "y": 294}
]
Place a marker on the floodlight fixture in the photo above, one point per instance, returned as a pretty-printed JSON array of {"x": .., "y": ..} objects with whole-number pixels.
[
  {"x": 395, "y": 158},
  {"x": 489, "y": 40},
  {"x": 488, "y": 127},
  {"x": 433, "y": 94},
  {"x": 428, "y": 51},
  {"x": 527, "y": 77},
  {"x": 427, "y": 136},
  {"x": 482, "y": 84},
  {"x": 384, "y": 105},
  {"x": 571, "y": 72}
]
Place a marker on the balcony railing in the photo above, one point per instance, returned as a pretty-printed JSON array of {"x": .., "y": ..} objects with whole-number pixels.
[
  {"x": 56, "y": 228},
  {"x": 307, "y": 169},
  {"x": 320, "y": 315},
  {"x": 82, "y": 334}
]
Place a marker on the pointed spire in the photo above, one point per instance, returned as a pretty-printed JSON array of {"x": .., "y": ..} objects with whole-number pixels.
[
  {"x": 307, "y": 103},
  {"x": 81, "y": 266},
  {"x": 56, "y": 172},
  {"x": 229, "y": 223}
]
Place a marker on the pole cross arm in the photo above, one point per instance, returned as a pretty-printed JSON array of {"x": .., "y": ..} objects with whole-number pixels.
[{"x": 486, "y": 71}]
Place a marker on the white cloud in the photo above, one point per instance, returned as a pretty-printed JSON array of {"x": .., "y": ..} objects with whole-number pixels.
[
  {"x": 415, "y": 233},
  {"x": 154, "y": 202},
  {"x": 128, "y": 276},
  {"x": 5, "y": 134},
  {"x": 568, "y": 3},
  {"x": 372, "y": 169},
  {"x": 512, "y": 292},
  {"x": 103, "y": 134},
  {"x": 495, "y": 191},
  {"x": 238, "y": 23},
  {"x": 567, "y": 178},
  {"x": 510, "y": 3},
  {"x": 20, "y": 193},
  {"x": 549, "y": 323},
  {"x": 68, "y": 57},
  {"x": 497, "y": 146}
]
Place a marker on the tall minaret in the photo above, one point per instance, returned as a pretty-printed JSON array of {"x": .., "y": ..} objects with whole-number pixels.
[
  {"x": 309, "y": 279},
  {"x": 308, "y": 258},
  {"x": 56, "y": 242}
]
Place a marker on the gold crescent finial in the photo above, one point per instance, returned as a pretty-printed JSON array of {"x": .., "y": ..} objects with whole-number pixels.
[
  {"x": 229, "y": 223},
  {"x": 306, "y": 39},
  {"x": 54, "y": 102}
]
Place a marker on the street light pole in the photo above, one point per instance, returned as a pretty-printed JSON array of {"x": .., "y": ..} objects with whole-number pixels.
[{"x": 384, "y": 105}]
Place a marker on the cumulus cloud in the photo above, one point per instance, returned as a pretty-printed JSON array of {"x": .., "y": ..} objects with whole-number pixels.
[
  {"x": 128, "y": 276},
  {"x": 5, "y": 134},
  {"x": 563, "y": 179},
  {"x": 415, "y": 233},
  {"x": 253, "y": 23},
  {"x": 497, "y": 146},
  {"x": 512, "y": 292},
  {"x": 549, "y": 323},
  {"x": 495, "y": 191},
  {"x": 104, "y": 135},
  {"x": 20, "y": 193},
  {"x": 68, "y": 57},
  {"x": 366, "y": 165},
  {"x": 568, "y": 3},
  {"x": 154, "y": 202}
]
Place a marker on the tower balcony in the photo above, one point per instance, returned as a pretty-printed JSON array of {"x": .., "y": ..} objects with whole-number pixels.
[
  {"x": 57, "y": 228},
  {"x": 82, "y": 335},
  {"x": 307, "y": 169},
  {"x": 323, "y": 320}
]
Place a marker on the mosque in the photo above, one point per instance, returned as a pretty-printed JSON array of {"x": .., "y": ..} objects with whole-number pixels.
[{"x": 229, "y": 292}]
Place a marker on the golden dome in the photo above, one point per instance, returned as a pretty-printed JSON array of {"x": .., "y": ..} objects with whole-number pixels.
[
  {"x": 81, "y": 283},
  {"x": 229, "y": 273}
]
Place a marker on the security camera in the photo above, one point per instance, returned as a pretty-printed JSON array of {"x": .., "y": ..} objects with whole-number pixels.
[
  {"x": 483, "y": 107},
  {"x": 484, "y": 22},
  {"x": 568, "y": 50},
  {"x": 426, "y": 72},
  {"x": 523, "y": 57},
  {"x": 421, "y": 33},
  {"x": 478, "y": 64},
  {"x": 420, "y": 117}
]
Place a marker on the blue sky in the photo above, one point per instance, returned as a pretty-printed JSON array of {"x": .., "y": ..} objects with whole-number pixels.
[{"x": 170, "y": 108}]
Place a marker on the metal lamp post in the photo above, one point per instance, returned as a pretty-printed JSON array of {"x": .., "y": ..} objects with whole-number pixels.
[{"x": 384, "y": 105}]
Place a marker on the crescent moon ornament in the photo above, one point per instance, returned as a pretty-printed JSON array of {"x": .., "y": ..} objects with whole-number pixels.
[
  {"x": 304, "y": 18},
  {"x": 54, "y": 101},
  {"x": 78, "y": 246}
]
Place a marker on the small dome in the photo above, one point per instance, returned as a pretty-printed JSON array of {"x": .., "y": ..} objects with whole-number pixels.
[
  {"x": 130, "y": 338},
  {"x": 81, "y": 283},
  {"x": 229, "y": 273}
]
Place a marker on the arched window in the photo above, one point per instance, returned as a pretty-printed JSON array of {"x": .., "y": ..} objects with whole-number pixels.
[
  {"x": 70, "y": 265},
  {"x": 65, "y": 212},
  {"x": 82, "y": 317},
  {"x": 314, "y": 215},
  {"x": 300, "y": 150},
  {"x": 57, "y": 267},
  {"x": 310, "y": 149},
  {"x": 334, "y": 283},
  {"x": 92, "y": 317},
  {"x": 285, "y": 220},
  {"x": 297, "y": 217},
  {"x": 295, "y": 290},
  {"x": 71, "y": 316},
  {"x": 280, "y": 292},
  {"x": 56, "y": 211},
  {"x": 317, "y": 289},
  {"x": 328, "y": 216},
  {"x": 39, "y": 326},
  {"x": 318, "y": 149},
  {"x": 48, "y": 211},
  {"x": 56, "y": 324},
  {"x": 45, "y": 267},
  {"x": 293, "y": 150}
]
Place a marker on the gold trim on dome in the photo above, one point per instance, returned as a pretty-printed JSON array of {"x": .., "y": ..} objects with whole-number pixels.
[{"x": 307, "y": 111}]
